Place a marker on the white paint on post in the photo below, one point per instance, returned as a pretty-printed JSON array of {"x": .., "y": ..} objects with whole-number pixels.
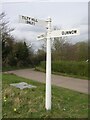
[{"x": 48, "y": 68}]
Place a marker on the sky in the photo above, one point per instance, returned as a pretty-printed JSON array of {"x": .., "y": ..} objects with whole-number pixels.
[
  {"x": 64, "y": 15},
  {"x": 44, "y": 0}
]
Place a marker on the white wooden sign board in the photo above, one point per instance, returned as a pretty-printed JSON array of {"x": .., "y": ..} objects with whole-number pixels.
[
  {"x": 63, "y": 33},
  {"x": 59, "y": 33},
  {"x": 31, "y": 21},
  {"x": 41, "y": 36}
]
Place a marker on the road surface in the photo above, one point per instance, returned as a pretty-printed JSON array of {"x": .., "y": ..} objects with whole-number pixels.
[{"x": 65, "y": 82}]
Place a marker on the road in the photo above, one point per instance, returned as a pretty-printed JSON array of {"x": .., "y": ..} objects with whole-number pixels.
[{"x": 65, "y": 82}]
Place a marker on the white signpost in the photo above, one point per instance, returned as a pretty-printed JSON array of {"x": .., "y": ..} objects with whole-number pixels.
[
  {"x": 63, "y": 33},
  {"x": 50, "y": 34},
  {"x": 31, "y": 20},
  {"x": 41, "y": 36}
]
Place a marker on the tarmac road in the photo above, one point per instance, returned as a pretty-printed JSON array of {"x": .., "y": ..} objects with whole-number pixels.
[{"x": 65, "y": 82}]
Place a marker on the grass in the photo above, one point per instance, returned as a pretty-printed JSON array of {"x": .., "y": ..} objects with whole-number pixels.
[
  {"x": 9, "y": 68},
  {"x": 30, "y": 103},
  {"x": 0, "y": 96}
]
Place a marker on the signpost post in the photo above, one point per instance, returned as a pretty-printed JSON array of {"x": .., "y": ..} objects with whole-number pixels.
[
  {"x": 50, "y": 34},
  {"x": 48, "y": 67}
]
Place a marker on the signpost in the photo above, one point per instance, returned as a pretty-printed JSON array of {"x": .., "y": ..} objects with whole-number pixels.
[
  {"x": 63, "y": 33},
  {"x": 31, "y": 20},
  {"x": 41, "y": 36},
  {"x": 50, "y": 34}
]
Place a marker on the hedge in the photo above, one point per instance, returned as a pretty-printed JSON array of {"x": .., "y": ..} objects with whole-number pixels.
[{"x": 68, "y": 67}]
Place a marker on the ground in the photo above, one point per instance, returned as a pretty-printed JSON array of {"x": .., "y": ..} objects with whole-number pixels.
[
  {"x": 30, "y": 103},
  {"x": 79, "y": 85}
]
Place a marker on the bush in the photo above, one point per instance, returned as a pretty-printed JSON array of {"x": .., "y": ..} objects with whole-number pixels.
[{"x": 68, "y": 67}]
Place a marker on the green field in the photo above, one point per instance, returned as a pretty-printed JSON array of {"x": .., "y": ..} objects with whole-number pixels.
[{"x": 30, "y": 103}]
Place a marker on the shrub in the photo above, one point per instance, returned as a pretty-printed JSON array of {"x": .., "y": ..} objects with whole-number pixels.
[{"x": 68, "y": 67}]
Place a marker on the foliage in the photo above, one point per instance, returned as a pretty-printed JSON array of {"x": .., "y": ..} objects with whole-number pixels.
[
  {"x": 13, "y": 53},
  {"x": 40, "y": 56},
  {"x": 81, "y": 52},
  {"x": 30, "y": 103},
  {"x": 20, "y": 54},
  {"x": 7, "y": 39},
  {"x": 63, "y": 50},
  {"x": 69, "y": 67}
]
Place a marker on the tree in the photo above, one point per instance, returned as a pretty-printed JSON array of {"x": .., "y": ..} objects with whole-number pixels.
[
  {"x": 21, "y": 54},
  {"x": 6, "y": 38},
  {"x": 13, "y": 53},
  {"x": 40, "y": 55},
  {"x": 58, "y": 49},
  {"x": 67, "y": 51},
  {"x": 81, "y": 51}
]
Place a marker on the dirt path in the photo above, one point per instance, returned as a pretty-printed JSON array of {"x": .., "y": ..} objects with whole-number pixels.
[{"x": 66, "y": 82}]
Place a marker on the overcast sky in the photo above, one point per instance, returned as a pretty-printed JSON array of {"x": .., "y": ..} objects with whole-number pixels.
[{"x": 65, "y": 15}]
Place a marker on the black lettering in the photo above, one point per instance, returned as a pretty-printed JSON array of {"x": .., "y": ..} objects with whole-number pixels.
[
  {"x": 75, "y": 31},
  {"x": 23, "y": 17},
  {"x": 62, "y": 32},
  {"x": 70, "y": 32},
  {"x": 28, "y": 18},
  {"x": 35, "y": 20},
  {"x": 38, "y": 36},
  {"x": 33, "y": 23},
  {"x": 67, "y": 32},
  {"x": 42, "y": 35},
  {"x": 29, "y": 22},
  {"x": 32, "y": 19}
]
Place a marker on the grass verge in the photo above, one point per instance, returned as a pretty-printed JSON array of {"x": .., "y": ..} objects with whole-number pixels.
[
  {"x": 10, "y": 68},
  {"x": 30, "y": 103}
]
